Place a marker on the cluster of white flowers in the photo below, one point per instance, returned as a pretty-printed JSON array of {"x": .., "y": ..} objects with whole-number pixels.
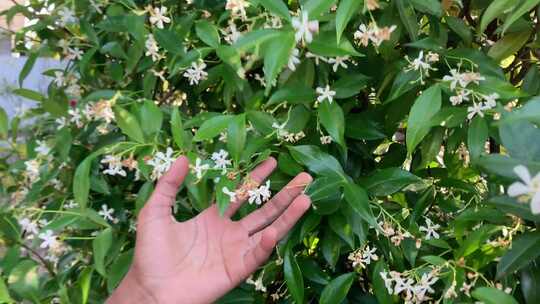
[
  {"x": 396, "y": 235},
  {"x": 101, "y": 110},
  {"x": 115, "y": 165},
  {"x": 161, "y": 163},
  {"x": 152, "y": 48},
  {"x": 362, "y": 257},
  {"x": 294, "y": 59},
  {"x": 259, "y": 286},
  {"x": 67, "y": 16},
  {"x": 430, "y": 229},
  {"x": 32, "y": 170},
  {"x": 304, "y": 28},
  {"x": 372, "y": 32},
  {"x": 158, "y": 16},
  {"x": 423, "y": 64},
  {"x": 31, "y": 39},
  {"x": 29, "y": 227},
  {"x": 260, "y": 194},
  {"x": 237, "y": 8},
  {"x": 287, "y": 136},
  {"x": 458, "y": 84},
  {"x": 528, "y": 189},
  {"x": 196, "y": 72},
  {"x": 413, "y": 291},
  {"x": 325, "y": 93},
  {"x": 70, "y": 81},
  {"x": 231, "y": 33},
  {"x": 200, "y": 168},
  {"x": 326, "y": 139},
  {"x": 221, "y": 160},
  {"x": 42, "y": 148}
]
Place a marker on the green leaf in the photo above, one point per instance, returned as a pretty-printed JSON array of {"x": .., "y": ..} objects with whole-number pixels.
[
  {"x": 508, "y": 45},
  {"x": 119, "y": 269},
  {"x": 276, "y": 55},
  {"x": 345, "y": 11},
  {"x": 432, "y": 7},
  {"x": 524, "y": 8},
  {"x": 316, "y": 7},
  {"x": 350, "y": 84},
  {"x": 477, "y": 136},
  {"x": 255, "y": 38},
  {"x": 177, "y": 129},
  {"x": 459, "y": 27},
  {"x": 530, "y": 280},
  {"x": 325, "y": 45},
  {"x": 293, "y": 277},
  {"x": 27, "y": 68},
  {"x": 4, "y": 292},
  {"x": 143, "y": 195},
  {"x": 317, "y": 161},
  {"x": 114, "y": 49},
  {"x": 381, "y": 293},
  {"x": 525, "y": 249},
  {"x": 496, "y": 9},
  {"x": 333, "y": 120},
  {"x": 236, "y": 136},
  {"x": 293, "y": 95},
  {"x": 408, "y": 18},
  {"x": 81, "y": 182},
  {"x": 4, "y": 123},
  {"x": 358, "y": 199},
  {"x": 520, "y": 138},
  {"x": 491, "y": 295},
  {"x": 207, "y": 32},
  {"x": 388, "y": 181},
  {"x": 170, "y": 41},
  {"x": 276, "y": 7},
  {"x": 101, "y": 245},
  {"x": 151, "y": 118},
  {"x": 212, "y": 127},
  {"x": 30, "y": 94},
  {"x": 84, "y": 280},
  {"x": 24, "y": 279},
  {"x": 325, "y": 194},
  {"x": 128, "y": 124},
  {"x": 338, "y": 223},
  {"x": 337, "y": 289},
  {"x": 363, "y": 126},
  {"x": 223, "y": 200},
  {"x": 423, "y": 110}
]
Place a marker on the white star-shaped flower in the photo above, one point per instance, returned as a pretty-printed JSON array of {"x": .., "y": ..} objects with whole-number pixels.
[
  {"x": 325, "y": 94},
  {"x": 304, "y": 28},
  {"x": 529, "y": 186},
  {"x": 158, "y": 17}
]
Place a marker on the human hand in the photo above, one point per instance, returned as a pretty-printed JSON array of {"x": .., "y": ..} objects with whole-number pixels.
[{"x": 200, "y": 260}]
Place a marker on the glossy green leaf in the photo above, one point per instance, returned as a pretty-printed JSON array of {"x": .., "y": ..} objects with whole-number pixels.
[
  {"x": 177, "y": 129},
  {"x": 477, "y": 137},
  {"x": 276, "y": 55},
  {"x": 332, "y": 119},
  {"x": 293, "y": 277},
  {"x": 208, "y": 33},
  {"x": 317, "y": 161},
  {"x": 27, "y": 67},
  {"x": 508, "y": 45},
  {"x": 4, "y": 123},
  {"x": 277, "y": 7},
  {"x": 408, "y": 18},
  {"x": 4, "y": 293},
  {"x": 317, "y": 7},
  {"x": 530, "y": 283},
  {"x": 101, "y": 245},
  {"x": 212, "y": 127},
  {"x": 151, "y": 118},
  {"x": 345, "y": 11},
  {"x": 236, "y": 136},
  {"x": 525, "y": 249},
  {"x": 492, "y": 295},
  {"x": 337, "y": 289},
  {"x": 24, "y": 279},
  {"x": 358, "y": 199},
  {"x": 496, "y": 9},
  {"x": 432, "y": 7},
  {"x": 388, "y": 181},
  {"x": 128, "y": 124},
  {"x": 423, "y": 110},
  {"x": 524, "y": 7}
]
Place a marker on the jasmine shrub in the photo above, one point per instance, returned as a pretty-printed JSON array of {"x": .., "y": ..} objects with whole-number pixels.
[{"x": 417, "y": 118}]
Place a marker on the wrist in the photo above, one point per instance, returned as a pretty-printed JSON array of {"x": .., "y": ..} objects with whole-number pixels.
[{"x": 131, "y": 291}]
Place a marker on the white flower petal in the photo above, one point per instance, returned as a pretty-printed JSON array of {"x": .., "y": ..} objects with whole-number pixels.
[
  {"x": 535, "y": 203},
  {"x": 517, "y": 189},
  {"x": 523, "y": 173}
]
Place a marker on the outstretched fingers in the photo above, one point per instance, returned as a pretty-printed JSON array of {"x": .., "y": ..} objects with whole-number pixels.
[
  {"x": 167, "y": 186},
  {"x": 269, "y": 236},
  {"x": 265, "y": 215},
  {"x": 258, "y": 175}
]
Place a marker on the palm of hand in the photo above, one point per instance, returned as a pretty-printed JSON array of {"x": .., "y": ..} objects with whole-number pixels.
[{"x": 210, "y": 254}]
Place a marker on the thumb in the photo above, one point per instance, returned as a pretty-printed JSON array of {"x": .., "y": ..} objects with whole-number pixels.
[{"x": 167, "y": 186}]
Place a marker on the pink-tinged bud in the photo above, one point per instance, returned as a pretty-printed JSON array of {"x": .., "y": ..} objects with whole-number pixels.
[{"x": 73, "y": 103}]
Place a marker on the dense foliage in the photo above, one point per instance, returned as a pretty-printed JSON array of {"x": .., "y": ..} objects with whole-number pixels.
[{"x": 417, "y": 118}]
